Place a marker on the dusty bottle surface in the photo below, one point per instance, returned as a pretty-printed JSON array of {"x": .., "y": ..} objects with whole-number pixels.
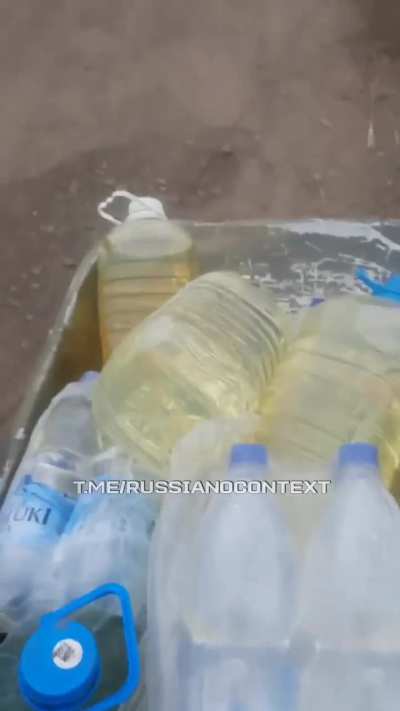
[
  {"x": 208, "y": 352},
  {"x": 221, "y": 599},
  {"x": 348, "y": 604},
  {"x": 339, "y": 382},
  {"x": 142, "y": 263}
]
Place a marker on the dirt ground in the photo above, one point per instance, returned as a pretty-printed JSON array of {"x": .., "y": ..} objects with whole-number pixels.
[{"x": 223, "y": 108}]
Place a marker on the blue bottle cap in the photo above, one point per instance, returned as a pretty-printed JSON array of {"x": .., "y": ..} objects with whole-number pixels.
[
  {"x": 389, "y": 290},
  {"x": 317, "y": 301},
  {"x": 254, "y": 455},
  {"x": 359, "y": 454},
  {"x": 59, "y": 667}
]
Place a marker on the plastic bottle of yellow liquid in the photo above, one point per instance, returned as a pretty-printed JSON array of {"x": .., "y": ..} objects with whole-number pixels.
[
  {"x": 142, "y": 263},
  {"x": 208, "y": 352},
  {"x": 340, "y": 382}
]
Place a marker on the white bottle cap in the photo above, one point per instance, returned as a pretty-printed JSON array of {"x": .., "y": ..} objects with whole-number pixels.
[{"x": 142, "y": 208}]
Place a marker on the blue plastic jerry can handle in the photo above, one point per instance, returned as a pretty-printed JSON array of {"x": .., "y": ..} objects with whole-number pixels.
[
  {"x": 389, "y": 290},
  {"x": 49, "y": 682}
]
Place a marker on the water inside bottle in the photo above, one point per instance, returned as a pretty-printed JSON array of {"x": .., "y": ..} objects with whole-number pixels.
[
  {"x": 207, "y": 352},
  {"x": 340, "y": 382}
]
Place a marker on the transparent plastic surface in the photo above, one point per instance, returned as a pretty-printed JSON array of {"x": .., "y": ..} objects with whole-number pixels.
[
  {"x": 208, "y": 352},
  {"x": 65, "y": 434},
  {"x": 107, "y": 539},
  {"x": 142, "y": 263},
  {"x": 339, "y": 382},
  {"x": 33, "y": 517},
  {"x": 221, "y": 600},
  {"x": 348, "y": 623}
]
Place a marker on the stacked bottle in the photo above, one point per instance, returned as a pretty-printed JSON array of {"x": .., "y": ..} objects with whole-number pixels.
[
  {"x": 340, "y": 382},
  {"x": 223, "y": 600},
  {"x": 34, "y": 515},
  {"x": 209, "y": 351},
  {"x": 141, "y": 264},
  {"x": 348, "y": 627}
]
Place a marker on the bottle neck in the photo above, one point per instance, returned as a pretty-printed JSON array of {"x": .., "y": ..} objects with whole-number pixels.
[
  {"x": 145, "y": 208},
  {"x": 356, "y": 471},
  {"x": 247, "y": 472},
  {"x": 144, "y": 215}
]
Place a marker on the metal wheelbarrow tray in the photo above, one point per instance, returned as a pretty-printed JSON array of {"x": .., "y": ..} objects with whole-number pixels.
[{"x": 298, "y": 260}]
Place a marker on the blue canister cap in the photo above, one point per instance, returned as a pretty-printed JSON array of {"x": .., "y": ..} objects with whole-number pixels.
[
  {"x": 389, "y": 290},
  {"x": 317, "y": 300},
  {"x": 59, "y": 667},
  {"x": 253, "y": 455},
  {"x": 359, "y": 454}
]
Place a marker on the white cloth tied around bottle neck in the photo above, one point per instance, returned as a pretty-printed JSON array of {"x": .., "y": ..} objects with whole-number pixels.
[{"x": 139, "y": 208}]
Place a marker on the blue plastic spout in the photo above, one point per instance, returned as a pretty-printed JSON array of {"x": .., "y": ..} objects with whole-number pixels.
[{"x": 388, "y": 290}]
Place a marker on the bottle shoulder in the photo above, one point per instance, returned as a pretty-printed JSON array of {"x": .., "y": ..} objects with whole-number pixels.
[
  {"x": 361, "y": 521},
  {"x": 359, "y": 322},
  {"x": 145, "y": 238}
]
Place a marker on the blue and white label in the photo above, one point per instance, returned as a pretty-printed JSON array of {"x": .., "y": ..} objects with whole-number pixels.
[{"x": 35, "y": 514}]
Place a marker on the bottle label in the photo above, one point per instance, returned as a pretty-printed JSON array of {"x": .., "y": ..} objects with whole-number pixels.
[{"x": 35, "y": 514}]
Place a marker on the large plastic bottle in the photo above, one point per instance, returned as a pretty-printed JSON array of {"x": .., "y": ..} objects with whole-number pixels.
[
  {"x": 118, "y": 524},
  {"x": 208, "y": 352},
  {"x": 106, "y": 538},
  {"x": 41, "y": 497},
  {"x": 339, "y": 382},
  {"x": 34, "y": 515},
  {"x": 141, "y": 264},
  {"x": 65, "y": 435},
  {"x": 235, "y": 587},
  {"x": 349, "y": 612}
]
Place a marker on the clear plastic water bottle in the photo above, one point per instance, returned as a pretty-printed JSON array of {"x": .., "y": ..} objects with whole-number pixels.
[
  {"x": 142, "y": 263},
  {"x": 31, "y": 522},
  {"x": 234, "y": 583},
  {"x": 41, "y": 498},
  {"x": 349, "y": 610},
  {"x": 208, "y": 352},
  {"x": 65, "y": 434},
  {"x": 34, "y": 515},
  {"x": 107, "y": 537}
]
